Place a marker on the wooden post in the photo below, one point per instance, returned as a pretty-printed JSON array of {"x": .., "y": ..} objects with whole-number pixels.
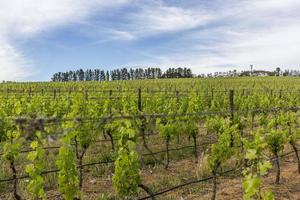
[
  {"x": 139, "y": 100},
  {"x": 231, "y": 109},
  {"x": 280, "y": 93},
  {"x": 231, "y": 105},
  {"x": 54, "y": 94}
]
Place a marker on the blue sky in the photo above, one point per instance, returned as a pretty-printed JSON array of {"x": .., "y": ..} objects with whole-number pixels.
[{"x": 41, "y": 37}]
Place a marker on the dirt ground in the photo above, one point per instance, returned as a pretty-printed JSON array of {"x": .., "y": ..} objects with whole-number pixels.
[
  {"x": 183, "y": 168},
  {"x": 229, "y": 188}
]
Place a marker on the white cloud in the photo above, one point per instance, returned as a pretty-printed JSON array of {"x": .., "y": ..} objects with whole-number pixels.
[
  {"x": 274, "y": 4},
  {"x": 149, "y": 18},
  {"x": 27, "y": 18},
  {"x": 152, "y": 17},
  {"x": 159, "y": 18},
  {"x": 263, "y": 33},
  {"x": 13, "y": 65}
]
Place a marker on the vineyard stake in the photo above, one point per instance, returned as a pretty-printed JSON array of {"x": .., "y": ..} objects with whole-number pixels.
[
  {"x": 140, "y": 99},
  {"x": 54, "y": 94},
  {"x": 231, "y": 109},
  {"x": 231, "y": 105}
]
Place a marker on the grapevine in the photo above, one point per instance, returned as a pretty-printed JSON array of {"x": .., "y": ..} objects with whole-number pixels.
[
  {"x": 257, "y": 165},
  {"x": 126, "y": 179},
  {"x": 35, "y": 168}
]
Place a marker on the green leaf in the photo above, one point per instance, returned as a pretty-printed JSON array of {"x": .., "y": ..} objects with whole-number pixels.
[
  {"x": 251, "y": 154},
  {"x": 34, "y": 144},
  {"x": 264, "y": 167},
  {"x": 268, "y": 196},
  {"x": 251, "y": 186}
]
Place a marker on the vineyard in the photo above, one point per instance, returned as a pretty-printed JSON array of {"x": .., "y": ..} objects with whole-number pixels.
[{"x": 208, "y": 138}]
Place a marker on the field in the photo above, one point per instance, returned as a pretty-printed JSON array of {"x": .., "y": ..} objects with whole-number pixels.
[{"x": 206, "y": 138}]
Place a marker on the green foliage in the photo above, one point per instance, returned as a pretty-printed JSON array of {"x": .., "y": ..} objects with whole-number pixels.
[
  {"x": 70, "y": 101},
  {"x": 189, "y": 128},
  {"x": 289, "y": 122},
  {"x": 11, "y": 147},
  {"x": 214, "y": 124},
  {"x": 263, "y": 119},
  {"x": 68, "y": 174},
  {"x": 112, "y": 127},
  {"x": 168, "y": 131},
  {"x": 257, "y": 165},
  {"x": 276, "y": 140},
  {"x": 222, "y": 150},
  {"x": 220, "y": 125},
  {"x": 34, "y": 170},
  {"x": 127, "y": 173}
]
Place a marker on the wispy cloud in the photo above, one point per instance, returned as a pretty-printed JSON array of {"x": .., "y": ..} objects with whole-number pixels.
[
  {"x": 28, "y": 18},
  {"x": 150, "y": 18},
  {"x": 158, "y": 18},
  {"x": 13, "y": 65},
  {"x": 147, "y": 18},
  {"x": 240, "y": 33}
]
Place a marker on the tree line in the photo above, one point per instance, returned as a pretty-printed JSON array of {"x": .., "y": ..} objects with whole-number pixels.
[{"x": 121, "y": 74}]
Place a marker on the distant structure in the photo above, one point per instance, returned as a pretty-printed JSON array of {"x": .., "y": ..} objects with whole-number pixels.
[
  {"x": 251, "y": 70},
  {"x": 278, "y": 71}
]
